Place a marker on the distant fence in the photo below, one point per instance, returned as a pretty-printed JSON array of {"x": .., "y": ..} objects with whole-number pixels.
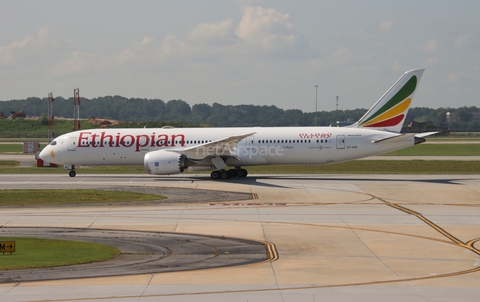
[
  {"x": 466, "y": 133},
  {"x": 27, "y": 134}
]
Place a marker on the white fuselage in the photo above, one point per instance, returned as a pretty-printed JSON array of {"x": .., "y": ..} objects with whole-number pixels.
[{"x": 288, "y": 145}]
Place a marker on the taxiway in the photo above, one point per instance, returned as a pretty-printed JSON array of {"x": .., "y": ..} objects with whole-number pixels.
[{"x": 338, "y": 237}]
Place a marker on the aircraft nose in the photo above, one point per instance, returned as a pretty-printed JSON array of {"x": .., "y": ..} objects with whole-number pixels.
[{"x": 43, "y": 154}]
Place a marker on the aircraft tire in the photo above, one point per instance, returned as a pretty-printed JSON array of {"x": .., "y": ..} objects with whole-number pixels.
[
  {"x": 72, "y": 173},
  {"x": 242, "y": 173},
  {"x": 215, "y": 175},
  {"x": 233, "y": 172},
  {"x": 225, "y": 174}
]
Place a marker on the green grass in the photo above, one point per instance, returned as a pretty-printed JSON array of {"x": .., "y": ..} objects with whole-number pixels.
[
  {"x": 439, "y": 150},
  {"x": 9, "y": 163},
  {"x": 80, "y": 170},
  {"x": 64, "y": 197},
  {"x": 15, "y": 148},
  {"x": 38, "y": 253}
]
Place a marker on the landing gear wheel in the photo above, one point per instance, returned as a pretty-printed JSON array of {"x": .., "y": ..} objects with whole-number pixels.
[
  {"x": 215, "y": 175},
  {"x": 72, "y": 172},
  {"x": 233, "y": 172},
  {"x": 242, "y": 173},
  {"x": 225, "y": 175}
]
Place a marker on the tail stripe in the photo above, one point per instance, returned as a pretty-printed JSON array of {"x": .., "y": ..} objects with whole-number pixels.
[
  {"x": 399, "y": 109},
  {"x": 388, "y": 123},
  {"x": 401, "y": 95}
]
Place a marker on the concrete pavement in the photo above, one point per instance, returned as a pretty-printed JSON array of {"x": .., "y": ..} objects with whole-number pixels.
[{"x": 339, "y": 237}]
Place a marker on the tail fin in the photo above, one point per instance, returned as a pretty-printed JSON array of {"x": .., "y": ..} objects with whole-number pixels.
[{"x": 390, "y": 111}]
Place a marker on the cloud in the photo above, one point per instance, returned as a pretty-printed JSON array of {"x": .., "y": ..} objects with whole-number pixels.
[
  {"x": 268, "y": 29},
  {"x": 430, "y": 62},
  {"x": 124, "y": 56},
  {"x": 462, "y": 40},
  {"x": 80, "y": 63},
  {"x": 147, "y": 40},
  {"x": 27, "y": 47},
  {"x": 430, "y": 46},
  {"x": 385, "y": 25},
  {"x": 397, "y": 66},
  {"x": 212, "y": 31},
  {"x": 173, "y": 47},
  {"x": 453, "y": 77},
  {"x": 340, "y": 57},
  {"x": 9, "y": 54}
]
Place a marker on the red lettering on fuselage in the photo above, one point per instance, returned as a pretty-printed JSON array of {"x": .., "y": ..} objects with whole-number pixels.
[
  {"x": 139, "y": 142},
  {"x": 83, "y": 141},
  {"x": 315, "y": 135}
]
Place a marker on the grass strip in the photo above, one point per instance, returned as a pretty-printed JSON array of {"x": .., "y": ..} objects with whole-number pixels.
[
  {"x": 9, "y": 163},
  {"x": 66, "y": 197},
  {"x": 15, "y": 148},
  {"x": 80, "y": 170},
  {"x": 439, "y": 150},
  {"x": 40, "y": 253}
]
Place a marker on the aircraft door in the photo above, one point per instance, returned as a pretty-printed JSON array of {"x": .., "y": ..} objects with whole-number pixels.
[
  {"x": 72, "y": 143},
  {"x": 340, "y": 141}
]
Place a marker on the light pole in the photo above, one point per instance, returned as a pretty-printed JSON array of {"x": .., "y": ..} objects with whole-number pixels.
[{"x": 316, "y": 94}]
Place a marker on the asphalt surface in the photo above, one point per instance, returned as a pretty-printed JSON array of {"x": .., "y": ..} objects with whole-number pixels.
[{"x": 140, "y": 253}]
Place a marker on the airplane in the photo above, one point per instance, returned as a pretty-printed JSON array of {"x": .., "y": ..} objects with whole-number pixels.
[{"x": 168, "y": 150}]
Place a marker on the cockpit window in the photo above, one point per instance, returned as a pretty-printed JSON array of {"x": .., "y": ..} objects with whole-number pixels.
[{"x": 53, "y": 143}]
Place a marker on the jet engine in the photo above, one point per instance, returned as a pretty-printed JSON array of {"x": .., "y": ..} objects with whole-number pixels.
[{"x": 164, "y": 162}]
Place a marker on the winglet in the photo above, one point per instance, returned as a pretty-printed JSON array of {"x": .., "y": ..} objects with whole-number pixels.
[{"x": 390, "y": 111}]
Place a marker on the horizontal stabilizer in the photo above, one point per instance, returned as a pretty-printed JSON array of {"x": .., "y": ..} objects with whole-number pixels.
[
  {"x": 393, "y": 139},
  {"x": 425, "y": 134},
  {"x": 419, "y": 138}
]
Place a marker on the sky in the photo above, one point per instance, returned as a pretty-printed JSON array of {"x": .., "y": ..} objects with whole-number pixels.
[{"x": 236, "y": 52}]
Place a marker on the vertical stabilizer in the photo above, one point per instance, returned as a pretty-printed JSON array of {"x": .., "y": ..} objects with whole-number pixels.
[{"x": 390, "y": 111}]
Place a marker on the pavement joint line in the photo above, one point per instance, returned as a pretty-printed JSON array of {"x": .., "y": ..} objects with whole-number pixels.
[
  {"x": 473, "y": 270},
  {"x": 434, "y": 226}
]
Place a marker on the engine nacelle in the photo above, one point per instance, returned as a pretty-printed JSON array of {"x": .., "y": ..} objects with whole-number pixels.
[{"x": 163, "y": 162}]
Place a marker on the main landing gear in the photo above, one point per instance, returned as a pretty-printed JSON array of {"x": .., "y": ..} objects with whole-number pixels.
[
  {"x": 227, "y": 174},
  {"x": 72, "y": 172}
]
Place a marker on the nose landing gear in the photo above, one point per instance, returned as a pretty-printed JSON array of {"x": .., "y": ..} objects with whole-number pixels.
[{"x": 72, "y": 172}]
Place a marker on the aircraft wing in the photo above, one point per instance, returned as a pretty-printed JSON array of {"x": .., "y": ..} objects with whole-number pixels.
[{"x": 220, "y": 147}]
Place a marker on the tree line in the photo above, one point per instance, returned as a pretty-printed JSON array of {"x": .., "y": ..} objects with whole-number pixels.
[{"x": 218, "y": 115}]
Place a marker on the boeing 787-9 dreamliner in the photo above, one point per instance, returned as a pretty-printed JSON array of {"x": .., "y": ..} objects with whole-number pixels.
[{"x": 168, "y": 150}]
